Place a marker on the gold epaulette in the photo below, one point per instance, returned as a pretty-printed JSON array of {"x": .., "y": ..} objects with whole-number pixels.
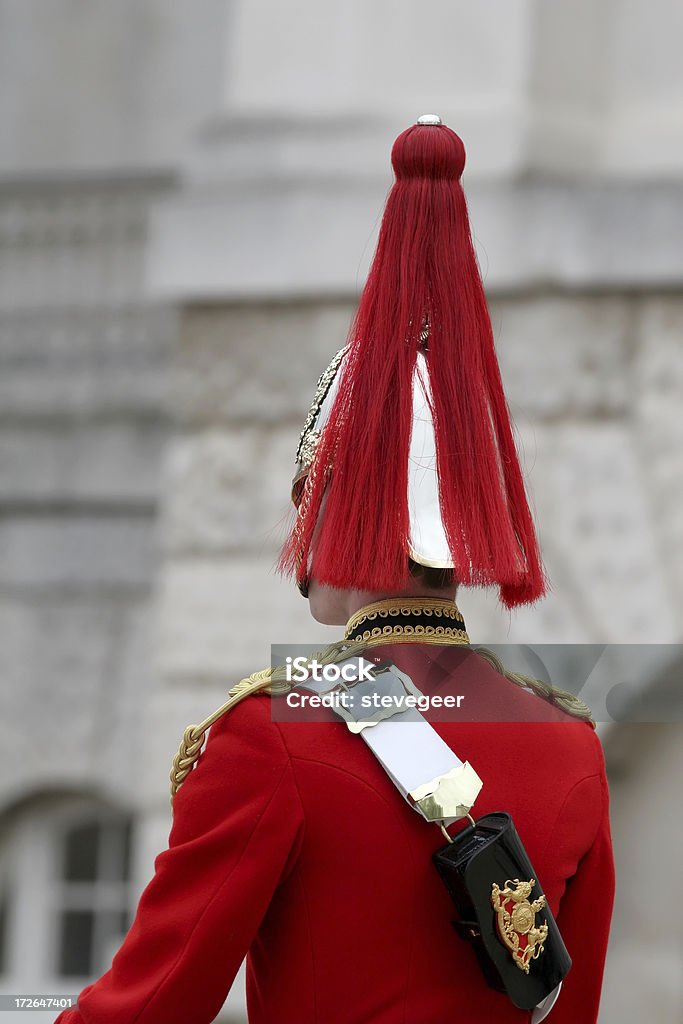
[
  {"x": 566, "y": 701},
  {"x": 267, "y": 680},
  {"x": 193, "y": 737}
]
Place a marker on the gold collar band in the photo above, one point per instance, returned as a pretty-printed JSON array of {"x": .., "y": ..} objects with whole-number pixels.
[{"x": 435, "y": 620}]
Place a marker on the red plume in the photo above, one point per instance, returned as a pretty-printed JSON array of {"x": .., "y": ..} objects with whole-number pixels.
[{"x": 424, "y": 271}]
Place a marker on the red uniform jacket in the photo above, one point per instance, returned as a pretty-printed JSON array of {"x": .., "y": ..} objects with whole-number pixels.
[{"x": 290, "y": 844}]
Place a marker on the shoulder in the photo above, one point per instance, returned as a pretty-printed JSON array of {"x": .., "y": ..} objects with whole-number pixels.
[
  {"x": 229, "y": 769},
  {"x": 574, "y": 748},
  {"x": 585, "y": 794},
  {"x": 535, "y": 717},
  {"x": 504, "y": 693},
  {"x": 239, "y": 733}
]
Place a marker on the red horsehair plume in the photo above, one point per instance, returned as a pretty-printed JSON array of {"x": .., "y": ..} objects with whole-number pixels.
[{"x": 424, "y": 271}]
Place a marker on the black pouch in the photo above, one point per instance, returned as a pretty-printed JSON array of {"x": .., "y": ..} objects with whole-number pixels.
[{"x": 503, "y": 911}]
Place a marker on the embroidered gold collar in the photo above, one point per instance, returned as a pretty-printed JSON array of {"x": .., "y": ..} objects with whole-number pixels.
[{"x": 434, "y": 620}]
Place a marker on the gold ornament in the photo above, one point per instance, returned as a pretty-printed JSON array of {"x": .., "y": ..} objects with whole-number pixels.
[{"x": 516, "y": 920}]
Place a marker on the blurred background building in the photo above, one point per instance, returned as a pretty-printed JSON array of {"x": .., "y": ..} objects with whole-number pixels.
[{"x": 189, "y": 198}]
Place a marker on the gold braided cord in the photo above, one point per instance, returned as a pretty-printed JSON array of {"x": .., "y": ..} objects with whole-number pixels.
[
  {"x": 267, "y": 680},
  {"x": 562, "y": 699},
  {"x": 193, "y": 737}
]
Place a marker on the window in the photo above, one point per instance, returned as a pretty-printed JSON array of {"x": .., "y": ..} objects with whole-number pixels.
[
  {"x": 93, "y": 861},
  {"x": 66, "y": 899}
]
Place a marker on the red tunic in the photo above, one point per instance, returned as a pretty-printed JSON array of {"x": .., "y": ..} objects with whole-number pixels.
[{"x": 290, "y": 844}]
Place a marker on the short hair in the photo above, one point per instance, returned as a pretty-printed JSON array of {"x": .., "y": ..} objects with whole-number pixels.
[{"x": 431, "y": 577}]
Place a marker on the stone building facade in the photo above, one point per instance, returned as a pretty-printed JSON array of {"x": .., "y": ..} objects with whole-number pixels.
[{"x": 187, "y": 211}]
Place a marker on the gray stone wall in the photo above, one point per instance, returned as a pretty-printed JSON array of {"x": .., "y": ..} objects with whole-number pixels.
[
  {"x": 99, "y": 87},
  {"x": 84, "y": 362}
]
